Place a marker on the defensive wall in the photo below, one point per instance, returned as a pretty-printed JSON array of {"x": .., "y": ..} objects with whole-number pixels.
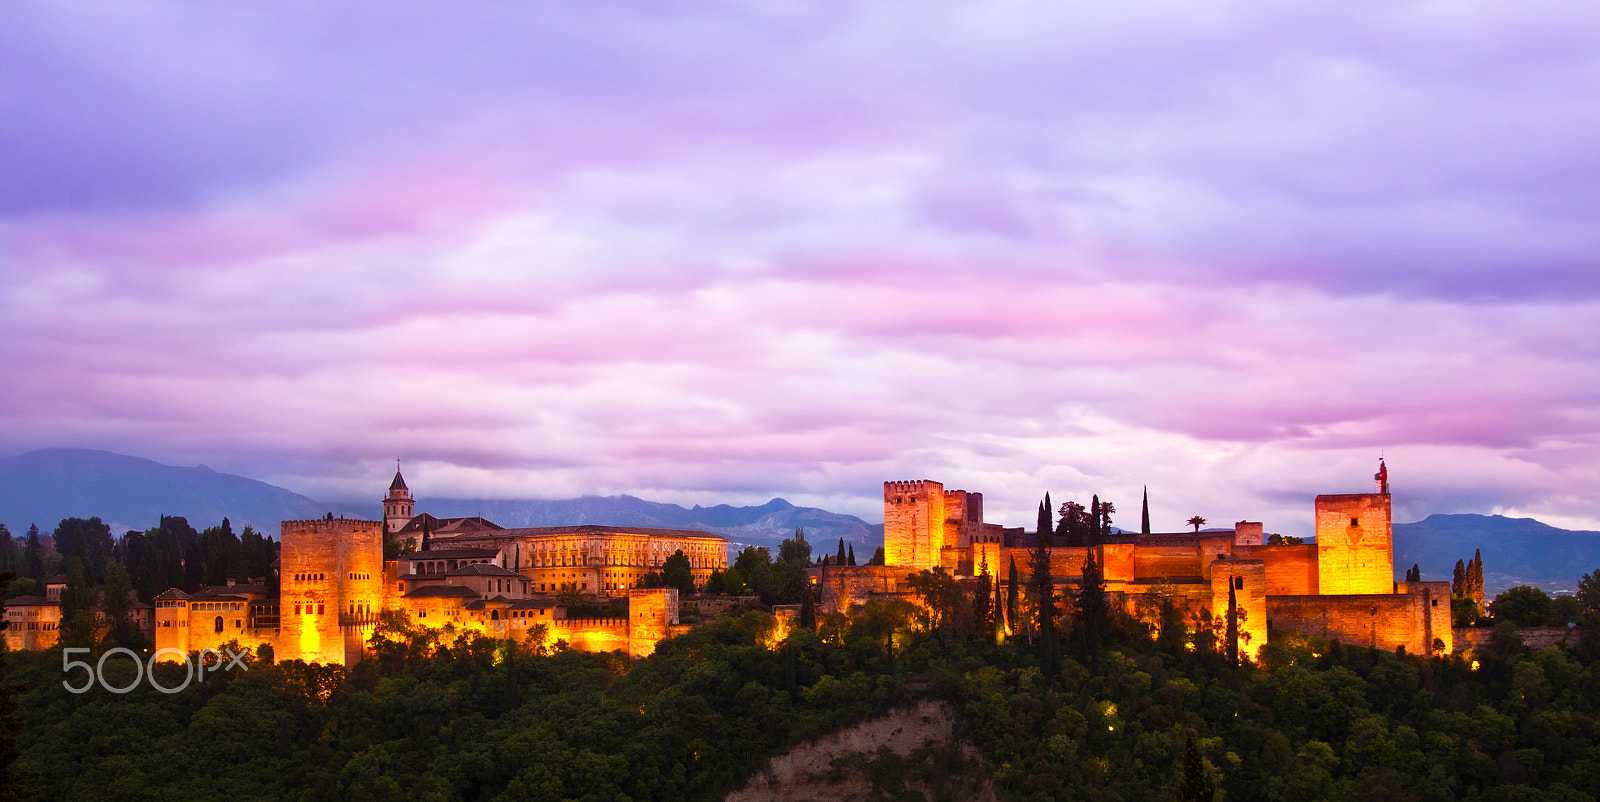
[{"x": 1414, "y": 617}]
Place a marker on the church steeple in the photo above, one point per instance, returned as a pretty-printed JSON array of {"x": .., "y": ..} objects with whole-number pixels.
[{"x": 398, "y": 506}]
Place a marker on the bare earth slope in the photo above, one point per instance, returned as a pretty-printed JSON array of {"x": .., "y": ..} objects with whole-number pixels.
[{"x": 911, "y": 749}]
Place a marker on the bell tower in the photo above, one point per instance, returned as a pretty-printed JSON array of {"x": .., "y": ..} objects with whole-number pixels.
[{"x": 398, "y": 506}]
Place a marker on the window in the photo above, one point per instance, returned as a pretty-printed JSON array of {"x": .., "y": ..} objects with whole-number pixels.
[
  {"x": 1355, "y": 522},
  {"x": 1238, "y": 583},
  {"x": 218, "y": 624},
  {"x": 319, "y": 608}
]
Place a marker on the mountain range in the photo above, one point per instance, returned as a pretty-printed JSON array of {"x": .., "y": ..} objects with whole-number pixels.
[
  {"x": 42, "y": 487},
  {"x": 133, "y": 493}
]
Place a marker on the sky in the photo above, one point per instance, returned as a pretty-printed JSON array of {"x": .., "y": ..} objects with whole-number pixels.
[{"x": 720, "y": 252}]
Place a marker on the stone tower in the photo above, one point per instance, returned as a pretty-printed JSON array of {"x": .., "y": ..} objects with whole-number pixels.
[
  {"x": 331, "y": 580},
  {"x": 913, "y": 523},
  {"x": 398, "y": 506},
  {"x": 1355, "y": 544}
]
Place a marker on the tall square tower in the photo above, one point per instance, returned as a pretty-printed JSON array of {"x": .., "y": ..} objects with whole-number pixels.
[
  {"x": 913, "y": 523},
  {"x": 330, "y": 580},
  {"x": 1355, "y": 544}
]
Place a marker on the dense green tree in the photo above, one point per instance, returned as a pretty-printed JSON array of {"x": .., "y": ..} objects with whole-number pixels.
[
  {"x": 677, "y": 573},
  {"x": 10, "y": 552},
  {"x": 1072, "y": 529},
  {"x": 33, "y": 554},
  {"x": 117, "y": 597},
  {"x": 89, "y": 540},
  {"x": 1589, "y": 591},
  {"x": 1093, "y": 611},
  {"x": 12, "y": 787},
  {"x": 725, "y": 583},
  {"x": 1042, "y": 597},
  {"x": 878, "y": 557},
  {"x": 795, "y": 550},
  {"x": 1523, "y": 605},
  {"x": 77, "y": 606}
]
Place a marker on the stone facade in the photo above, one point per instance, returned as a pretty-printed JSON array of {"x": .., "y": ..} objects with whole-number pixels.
[
  {"x": 1355, "y": 544},
  {"x": 914, "y": 524}
]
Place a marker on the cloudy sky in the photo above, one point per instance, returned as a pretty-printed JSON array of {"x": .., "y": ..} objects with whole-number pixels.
[{"x": 703, "y": 253}]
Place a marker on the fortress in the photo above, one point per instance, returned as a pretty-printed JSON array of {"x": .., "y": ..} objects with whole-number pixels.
[
  {"x": 333, "y": 580},
  {"x": 1340, "y": 587}
]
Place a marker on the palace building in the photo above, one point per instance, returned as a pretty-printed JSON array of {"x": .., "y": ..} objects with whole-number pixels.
[{"x": 472, "y": 574}]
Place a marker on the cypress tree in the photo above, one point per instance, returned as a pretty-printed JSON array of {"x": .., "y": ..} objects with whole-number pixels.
[
  {"x": 33, "y": 554},
  {"x": 1144, "y": 518},
  {"x": 1196, "y": 785},
  {"x": 1042, "y": 594},
  {"x": 1094, "y": 613},
  {"x": 983, "y": 608},
  {"x": 1011, "y": 596},
  {"x": 808, "y": 611},
  {"x": 1094, "y": 521},
  {"x": 1044, "y": 516},
  {"x": 840, "y": 560},
  {"x": 852, "y": 555},
  {"x": 1458, "y": 582},
  {"x": 1232, "y": 648}
]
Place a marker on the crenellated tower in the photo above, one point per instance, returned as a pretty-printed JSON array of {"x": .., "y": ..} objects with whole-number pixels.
[
  {"x": 913, "y": 523},
  {"x": 331, "y": 586}
]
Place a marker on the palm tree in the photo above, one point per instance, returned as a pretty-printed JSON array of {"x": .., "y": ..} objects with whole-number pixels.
[{"x": 1196, "y": 522}]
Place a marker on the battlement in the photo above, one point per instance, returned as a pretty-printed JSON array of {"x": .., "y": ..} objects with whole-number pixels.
[
  {"x": 915, "y": 487},
  {"x": 328, "y": 525}
]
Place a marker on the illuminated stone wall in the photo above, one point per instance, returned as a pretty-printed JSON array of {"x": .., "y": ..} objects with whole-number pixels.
[
  {"x": 327, "y": 567},
  {"x": 1382, "y": 621},
  {"x": 913, "y": 523},
  {"x": 651, "y": 612},
  {"x": 1248, "y": 578},
  {"x": 1355, "y": 544},
  {"x": 1291, "y": 570},
  {"x": 840, "y": 587}
]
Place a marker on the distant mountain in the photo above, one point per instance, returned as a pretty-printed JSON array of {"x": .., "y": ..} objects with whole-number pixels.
[
  {"x": 42, "y": 487},
  {"x": 1516, "y": 551},
  {"x": 765, "y": 525},
  {"x": 126, "y": 492}
]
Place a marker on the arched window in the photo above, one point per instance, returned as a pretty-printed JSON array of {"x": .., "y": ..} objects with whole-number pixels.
[
  {"x": 218, "y": 623},
  {"x": 494, "y": 615}
]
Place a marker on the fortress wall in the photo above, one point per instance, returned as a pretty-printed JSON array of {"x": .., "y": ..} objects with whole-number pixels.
[
  {"x": 1248, "y": 579},
  {"x": 913, "y": 523},
  {"x": 1381, "y": 621},
  {"x": 843, "y": 586},
  {"x": 1155, "y": 562},
  {"x": 1436, "y": 609},
  {"x": 651, "y": 613},
  {"x": 597, "y": 635},
  {"x": 986, "y": 558},
  {"x": 1118, "y": 562},
  {"x": 1355, "y": 544},
  {"x": 1291, "y": 570},
  {"x": 1470, "y": 639}
]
